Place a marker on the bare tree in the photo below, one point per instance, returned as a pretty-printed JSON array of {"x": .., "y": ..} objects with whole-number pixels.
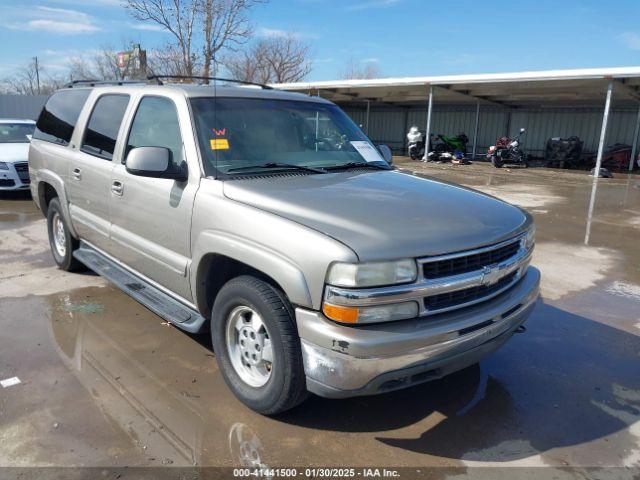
[
  {"x": 355, "y": 70},
  {"x": 81, "y": 68},
  {"x": 25, "y": 81},
  {"x": 201, "y": 29},
  {"x": 279, "y": 59},
  {"x": 178, "y": 17},
  {"x": 165, "y": 61},
  {"x": 102, "y": 66},
  {"x": 225, "y": 25}
]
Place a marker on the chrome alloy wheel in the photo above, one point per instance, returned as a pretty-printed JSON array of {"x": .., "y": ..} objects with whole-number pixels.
[
  {"x": 59, "y": 236},
  {"x": 249, "y": 346}
]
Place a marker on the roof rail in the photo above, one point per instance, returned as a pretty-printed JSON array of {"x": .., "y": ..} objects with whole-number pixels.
[
  {"x": 93, "y": 83},
  {"x": 158, "y": 80}
]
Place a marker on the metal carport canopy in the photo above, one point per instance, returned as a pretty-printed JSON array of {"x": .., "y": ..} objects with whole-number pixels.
[
  {"x": 582, "y": 87},
  {"x": 551, "y": 88}
]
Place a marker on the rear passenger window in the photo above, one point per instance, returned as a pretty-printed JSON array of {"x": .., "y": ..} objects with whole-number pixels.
[
  {"x": 156, "y": 125},
  {"x": 104, "y": 123},
  {"x": 59, "y": 116}
]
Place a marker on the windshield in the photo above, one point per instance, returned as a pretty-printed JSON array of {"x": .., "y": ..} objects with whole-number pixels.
[
  {"x": 16, "y": 132},
  {"x": 237, "y": 134}
]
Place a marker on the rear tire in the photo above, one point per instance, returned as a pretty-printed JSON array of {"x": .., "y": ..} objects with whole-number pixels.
[
  {"x": 250, "y": 318},
  {"x": 60, "y": 240},
  {"x": 497, "y": 162}
]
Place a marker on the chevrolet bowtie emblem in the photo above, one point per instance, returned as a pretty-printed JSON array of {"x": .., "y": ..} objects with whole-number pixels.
[{"x": 491, "y": 275}]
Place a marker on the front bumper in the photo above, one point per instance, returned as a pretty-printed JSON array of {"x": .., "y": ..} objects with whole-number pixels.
[
  {"x": 345, "y": 361},
  {"x": 10, "y": 179}
]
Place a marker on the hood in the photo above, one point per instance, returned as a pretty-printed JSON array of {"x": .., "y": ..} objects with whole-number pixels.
[
  {"x": 384, "y": 215},
  {"x": 14, "y": 152}
]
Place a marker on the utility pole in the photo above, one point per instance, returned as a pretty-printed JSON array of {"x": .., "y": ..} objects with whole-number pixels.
[{"x": 37, "y": 74}]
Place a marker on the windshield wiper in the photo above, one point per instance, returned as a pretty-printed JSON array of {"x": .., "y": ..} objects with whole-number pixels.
[
  {"x": 277, "y": 165},
  {"x": 344, "y": 166}
]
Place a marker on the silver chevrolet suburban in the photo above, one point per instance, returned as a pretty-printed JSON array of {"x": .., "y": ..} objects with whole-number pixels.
[{"x": 271, "y": 220}]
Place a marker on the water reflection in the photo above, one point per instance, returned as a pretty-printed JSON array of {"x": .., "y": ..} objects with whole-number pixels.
[
  {"x": 246, "y": 446},
  {"x": 541, "y": 392}
]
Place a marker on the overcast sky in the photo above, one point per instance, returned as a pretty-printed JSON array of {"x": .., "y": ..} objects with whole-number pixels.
[{"x": 403, "y": 37}]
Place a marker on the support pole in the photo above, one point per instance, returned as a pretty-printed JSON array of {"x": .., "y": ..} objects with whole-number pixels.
[
  {"x": 475, "y": 133},
  {"x": 596, "y": 172},
  {"x": 427, "y": 136},
  {"x": 37, "y": 74},
  {"x": 634, "y": 149},
  {"x": 366, "y": 124}
]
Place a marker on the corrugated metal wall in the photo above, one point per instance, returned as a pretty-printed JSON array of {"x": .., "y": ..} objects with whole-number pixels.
[
  {"x": 21, "y": 106},
  {"x": 390, "y": 126}
]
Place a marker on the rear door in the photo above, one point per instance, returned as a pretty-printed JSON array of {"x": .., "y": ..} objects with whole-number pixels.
[
  {"x": 151, "y": 217},
  {"x": 90, "y": 170}
]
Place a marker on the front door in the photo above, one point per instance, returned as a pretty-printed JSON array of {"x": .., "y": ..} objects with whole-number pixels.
[
  {"x": 91, "y": 167},
  {"x": 151, "y": 217}
]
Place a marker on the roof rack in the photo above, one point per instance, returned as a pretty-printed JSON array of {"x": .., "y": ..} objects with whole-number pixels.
[
  {"x": 158, "y": 79},
  {"x": 93, "y": 83}
]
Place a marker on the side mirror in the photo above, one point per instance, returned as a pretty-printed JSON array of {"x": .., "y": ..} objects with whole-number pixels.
[
  {"x": 154, "y": 162},
  {"x": 385, "y": 151},
  {"x": 522, "y": 130}
]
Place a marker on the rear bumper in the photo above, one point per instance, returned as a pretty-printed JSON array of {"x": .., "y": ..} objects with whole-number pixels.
[{"x": 344, "y": 361}]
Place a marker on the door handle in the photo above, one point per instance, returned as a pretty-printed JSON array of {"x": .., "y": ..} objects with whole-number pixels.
[
  {"x": 117, "y": 188},
  {"x": 77, "y": 174}
]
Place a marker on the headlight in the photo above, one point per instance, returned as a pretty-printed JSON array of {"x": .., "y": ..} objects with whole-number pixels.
[
  {"x": 372, "y": 274},
  {"x": 373, "y": 314},
  {"x": 4, "y": 166},
  {"x": 529, "y": 239}
]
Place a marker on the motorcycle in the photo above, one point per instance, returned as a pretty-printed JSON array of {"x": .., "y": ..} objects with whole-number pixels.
[
  {"x": 416, "y": 143},
  {"x": 507, "y": 151},
  {"x": 444, "y": 148}
]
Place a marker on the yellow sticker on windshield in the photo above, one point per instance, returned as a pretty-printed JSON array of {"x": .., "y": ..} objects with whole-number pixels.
[{"x": 219, "y": 144}]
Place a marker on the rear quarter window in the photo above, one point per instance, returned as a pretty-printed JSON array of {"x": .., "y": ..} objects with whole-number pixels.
[{"x": 59, "y": 116}]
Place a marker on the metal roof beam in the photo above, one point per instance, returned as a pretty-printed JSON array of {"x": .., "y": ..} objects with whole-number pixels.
[
  {"x": 482, "y": 98},
  {"x": 632, "y": 90}
]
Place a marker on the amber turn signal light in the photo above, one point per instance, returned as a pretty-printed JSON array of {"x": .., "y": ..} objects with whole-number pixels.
[{"x": 341, "y": 314}]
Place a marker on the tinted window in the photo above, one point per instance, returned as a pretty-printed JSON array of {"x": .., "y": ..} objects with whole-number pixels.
[
  {"x": 104, "y": 123},
  {"x": 156, "y": 125},
  {"x": 58, "y": 117}
]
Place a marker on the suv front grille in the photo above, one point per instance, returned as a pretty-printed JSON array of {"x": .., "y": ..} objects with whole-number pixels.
[
  {"x": 461, "y": 297},
  {"x": 469, "y": 263}
]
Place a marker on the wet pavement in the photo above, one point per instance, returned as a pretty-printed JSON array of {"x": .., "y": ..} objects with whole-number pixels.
[{"x": 105, "y": 382}]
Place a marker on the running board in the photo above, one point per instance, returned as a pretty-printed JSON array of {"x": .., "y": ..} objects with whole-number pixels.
[{"x": 151, "y": 297}]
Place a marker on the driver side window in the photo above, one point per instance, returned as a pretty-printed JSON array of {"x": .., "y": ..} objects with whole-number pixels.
[{"x": 156, "y": 125}]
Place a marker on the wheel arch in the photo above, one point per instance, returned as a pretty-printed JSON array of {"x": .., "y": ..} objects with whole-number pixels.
[
  {"x": 233, "y": 257},
  {"x": 51, "y": 185}
]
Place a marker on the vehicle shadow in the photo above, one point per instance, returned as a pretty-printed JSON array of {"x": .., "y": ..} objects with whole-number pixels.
[
  {"x": 569, "y": 380},
  {"x": 15, "y": 195}
]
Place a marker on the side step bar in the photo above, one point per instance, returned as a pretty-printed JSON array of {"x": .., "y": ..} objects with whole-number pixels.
[{"x": 151, "y": 297}]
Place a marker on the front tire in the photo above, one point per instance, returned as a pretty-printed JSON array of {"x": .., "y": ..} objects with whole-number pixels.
[
  {"x": 60, "y": 240},
  {"x": 257, "y": 345}
]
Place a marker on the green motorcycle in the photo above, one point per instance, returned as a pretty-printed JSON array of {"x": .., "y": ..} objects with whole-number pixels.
[{"x": 443, "y": 147}]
